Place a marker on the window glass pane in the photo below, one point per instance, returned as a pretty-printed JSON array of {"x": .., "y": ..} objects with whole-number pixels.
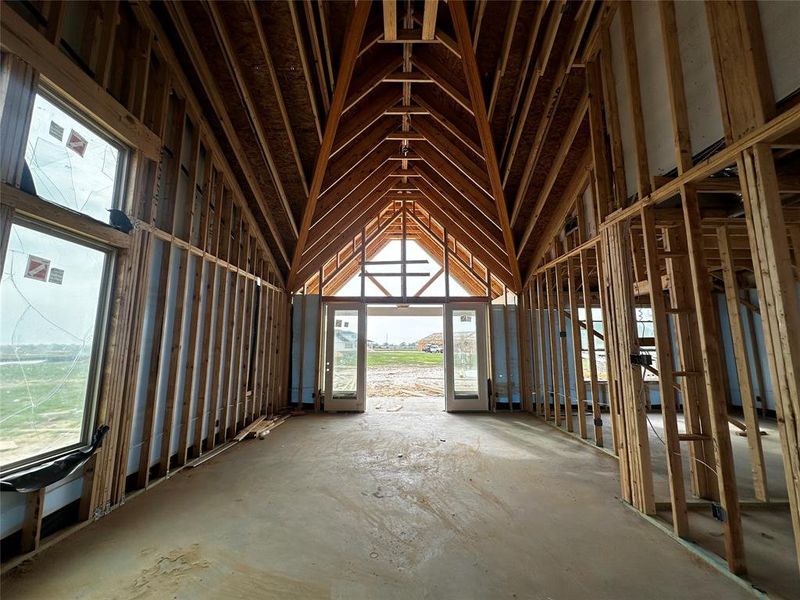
[
  {"x": 71, "y": 165},
  {"x": 345, "y": 352},
  {"x": 49, "y": 298},
  {"x": 465, "y": 354}
]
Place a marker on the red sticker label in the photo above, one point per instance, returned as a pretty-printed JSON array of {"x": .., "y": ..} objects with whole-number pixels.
[
  {"x": 77, "y": 143},
  {"x": 37, "y": 268}
]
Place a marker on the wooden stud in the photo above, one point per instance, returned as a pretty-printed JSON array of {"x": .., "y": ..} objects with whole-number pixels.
[
  {"x": 577, "y": 354},
  {"x": 390, "y": 20},
  {"x": 562, "y": 336},
  {"x": 429, "y": 19},
  {"x": 695, "y": 407},
  {"x": 675, "y": 86},
  {"x": 715, "y": 390},
  {"x": 732, "y": 297},
  {"x": 595, "y": 386},
  {"x": 32, "y": 523},
  {"x": 552, "y": 351},
  {"x": 778, "y": 301},
  {"x": 680, "y": 519}
]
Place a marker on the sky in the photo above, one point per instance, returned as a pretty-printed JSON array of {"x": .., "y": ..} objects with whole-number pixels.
[
  {"x": 396, "y": 330},
  {"x": 413, "y": 252},
  {"x": 45, "y": 312}
]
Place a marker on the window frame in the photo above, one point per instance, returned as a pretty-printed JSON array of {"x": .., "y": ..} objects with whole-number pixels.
[
  {"x": 85, "y": 119},
  {"x": 97, "y": 358},
  {"x": 107, "y": 282}
]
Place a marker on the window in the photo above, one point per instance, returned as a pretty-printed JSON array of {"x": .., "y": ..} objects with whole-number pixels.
[
  {"x": 53, "y": 297},
  {"x": 71, "y": 162}
]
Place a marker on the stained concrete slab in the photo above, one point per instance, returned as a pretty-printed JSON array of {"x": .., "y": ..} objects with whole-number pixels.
[
  {"x": 768, "y": 539},
  {"x": 397, "y": 505}
]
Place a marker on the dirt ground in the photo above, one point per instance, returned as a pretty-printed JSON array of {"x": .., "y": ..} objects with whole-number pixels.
[
  {"x": 407, "y": 388},
  {"x": 405, "y": 381}
]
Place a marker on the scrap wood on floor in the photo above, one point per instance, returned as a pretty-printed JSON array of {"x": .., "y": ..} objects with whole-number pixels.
[{"x": 257, "y": 429}]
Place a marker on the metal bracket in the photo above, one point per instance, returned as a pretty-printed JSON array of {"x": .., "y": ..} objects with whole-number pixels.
[
  {"x": 643, "y": 360},
  {"x": 718, "y": 512}
]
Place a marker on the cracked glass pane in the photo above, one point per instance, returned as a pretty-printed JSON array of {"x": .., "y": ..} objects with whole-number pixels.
[
  {"x": 50, "y": 294},
  {"x": 70, "y": 163}
]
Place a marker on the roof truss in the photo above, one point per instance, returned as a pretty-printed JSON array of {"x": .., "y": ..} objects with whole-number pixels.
[
  {"x": 422, "y": 227},
  {"x": 431, "y": 140}
]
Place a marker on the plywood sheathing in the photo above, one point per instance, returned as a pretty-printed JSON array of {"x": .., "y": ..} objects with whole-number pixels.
[{"x": 203, "y": 31}]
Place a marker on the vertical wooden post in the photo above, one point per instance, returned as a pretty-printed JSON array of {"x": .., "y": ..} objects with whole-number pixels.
[
  {"x": 693, "y": 390},
  {"x": 777, "y": 296},
  {"x": 301, "y": 342},
  {"x": 403, "y": 270},
  {"x": 612, "y": 108},
  {"x": 715, "y": 389},
  {"x": 32, "y": 524},
  {"x": 577, "y": 354},
  {"x": 490, "y": 338},
  {"x": 675, "y": 87},
  {"x": 507, "y": 342},
  {"x": 317, "y": 399},
  {"x": 635, "y": 98},
  {"x": 666, "y": 381},
  {"x": 742, "y": 365},
  {"x": 562, "y": 336},
  {"x": 553, "y": 362},
  {"x": 534, "y": 349},
  {"x": 743, "y": 79},
  {"x": 447, "y": 264},
  {"x": 609, "y": 343},
  {"x": 634, "y": 444},
  {"x": 363, "y": 262},
  {"x": 595, "y": 386},
  {"x": 541, "y": 307}
]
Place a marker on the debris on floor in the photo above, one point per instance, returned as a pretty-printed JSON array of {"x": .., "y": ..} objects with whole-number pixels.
[{"x": 258, "y": 428}]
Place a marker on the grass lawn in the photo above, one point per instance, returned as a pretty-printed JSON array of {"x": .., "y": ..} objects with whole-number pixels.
[
  {"x": 41, "y": 405},
  {"x": 415, "y": 358}
]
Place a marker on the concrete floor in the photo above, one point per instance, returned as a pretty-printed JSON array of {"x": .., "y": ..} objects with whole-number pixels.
[
  {"x": 380, "y": 505},
  {"x": 769, "y": 541}
]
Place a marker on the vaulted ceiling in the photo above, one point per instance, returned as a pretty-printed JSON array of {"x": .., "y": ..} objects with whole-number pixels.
[{"x": 473, "y": 113}]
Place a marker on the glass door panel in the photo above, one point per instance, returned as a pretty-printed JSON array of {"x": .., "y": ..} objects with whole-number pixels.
[
  {"x": 344, "y": 358},
  {"x": 465, "y": 353},
  {"x": 465, "y": 357}
]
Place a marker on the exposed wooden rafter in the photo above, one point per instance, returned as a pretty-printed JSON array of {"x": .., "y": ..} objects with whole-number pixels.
[
  {"x": 352, "y": 43},
  {"x": 472, "y": 76}
]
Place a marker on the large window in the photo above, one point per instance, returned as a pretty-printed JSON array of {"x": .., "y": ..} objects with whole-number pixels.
[
  {"x": 54, "y": 290},
  {"x": 72, "y": 163},
  {"x": 52, "y": 308}
]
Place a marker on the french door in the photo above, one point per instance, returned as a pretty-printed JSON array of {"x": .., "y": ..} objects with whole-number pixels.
[
  {"x": 465, "y": 357},
  {"x": 345, "y": 356}
]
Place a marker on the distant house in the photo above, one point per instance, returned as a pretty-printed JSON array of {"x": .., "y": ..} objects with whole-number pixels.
[
  {"x": 346, "y": 340},
  {"x": 433, "y": 338}
]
